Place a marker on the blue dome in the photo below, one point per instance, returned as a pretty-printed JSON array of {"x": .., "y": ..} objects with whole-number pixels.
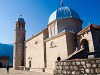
[
  {"x": 63, "y": 12},
  {"x": 20, "y": 20}
]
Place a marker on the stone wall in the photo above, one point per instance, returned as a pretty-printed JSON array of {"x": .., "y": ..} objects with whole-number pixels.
[
  {"x": 78, "y": 67},
  {"x": 54, "y": 49},
  {"x": 96, "y": 41},
  {"x": 35, "y": 51},
  {"x": 87, "y": 36}
]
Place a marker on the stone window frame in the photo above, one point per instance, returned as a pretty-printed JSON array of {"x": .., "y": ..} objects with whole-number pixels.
[
  {"x": 36, "y": 42},
  {"x": 52, "y": 45},
  {"x": 52, "y": 30}
]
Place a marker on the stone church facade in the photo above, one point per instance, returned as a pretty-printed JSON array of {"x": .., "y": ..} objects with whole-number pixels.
[{"x": 63, "y": 37}]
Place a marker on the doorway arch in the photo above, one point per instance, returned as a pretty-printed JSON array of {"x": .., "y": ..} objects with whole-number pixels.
[{"x": 85, "y": 45}]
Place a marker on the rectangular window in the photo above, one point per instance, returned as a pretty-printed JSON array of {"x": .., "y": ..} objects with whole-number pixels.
[{"x": 52, "y": 30}]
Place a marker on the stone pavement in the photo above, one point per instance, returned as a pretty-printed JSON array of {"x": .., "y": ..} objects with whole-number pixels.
[{"x": 18, "y": 72}]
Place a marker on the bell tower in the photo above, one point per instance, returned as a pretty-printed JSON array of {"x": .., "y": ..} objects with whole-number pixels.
[{"x": 18, "y": 56}]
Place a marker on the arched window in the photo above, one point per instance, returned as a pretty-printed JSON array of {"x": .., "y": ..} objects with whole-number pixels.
[
  {"x": 18, "y": 26},
  {"x": 52, "y": 30},
  {"x": 53, "y": 44},
  {"x": 36, "y": 42},
  {"x": 22, "y": 26}
]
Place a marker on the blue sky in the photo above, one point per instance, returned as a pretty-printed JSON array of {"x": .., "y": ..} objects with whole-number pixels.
[{"x": 37, "y": 12}]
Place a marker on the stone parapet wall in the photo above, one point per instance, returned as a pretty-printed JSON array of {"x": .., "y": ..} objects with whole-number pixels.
[{"x": 78, "y": 67}]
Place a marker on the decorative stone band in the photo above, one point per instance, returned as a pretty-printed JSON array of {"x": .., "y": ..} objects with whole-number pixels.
[{"x": 58, "y": 35}]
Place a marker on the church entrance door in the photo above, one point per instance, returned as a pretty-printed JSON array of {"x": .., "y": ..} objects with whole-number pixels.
[{"x": 30, "y": 64}]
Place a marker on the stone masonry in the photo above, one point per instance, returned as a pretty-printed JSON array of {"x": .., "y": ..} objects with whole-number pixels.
[{"x": 78, "y": 67}]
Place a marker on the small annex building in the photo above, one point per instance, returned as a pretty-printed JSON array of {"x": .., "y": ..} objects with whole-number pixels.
[{"x": 3, "y": 61}]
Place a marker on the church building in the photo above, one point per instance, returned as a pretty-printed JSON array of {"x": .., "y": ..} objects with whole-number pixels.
[{"x": 63, "y": 38}]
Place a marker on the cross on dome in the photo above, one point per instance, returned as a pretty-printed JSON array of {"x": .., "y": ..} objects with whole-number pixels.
[{"x": 61, "y": 3}]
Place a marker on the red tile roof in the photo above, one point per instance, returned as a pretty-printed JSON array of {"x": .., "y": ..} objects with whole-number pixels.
[
  {"x": 4, "y": 58},
  {"x": 87, "y": 27}
]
